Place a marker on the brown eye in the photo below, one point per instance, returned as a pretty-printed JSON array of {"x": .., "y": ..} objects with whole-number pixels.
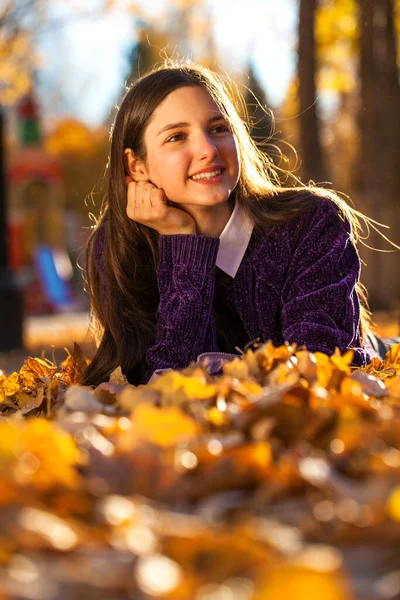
[
  {"x": 177, "y": 137},
  {"x": 222, "y": 128}
]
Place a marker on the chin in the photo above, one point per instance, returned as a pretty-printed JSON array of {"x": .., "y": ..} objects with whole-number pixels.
[
  {"x": 216, "y": 199},
  {"x": 210, "y": 201}
]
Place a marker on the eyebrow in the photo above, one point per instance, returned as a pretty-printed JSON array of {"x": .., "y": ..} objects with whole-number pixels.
[{"x": 219, "y": 117}]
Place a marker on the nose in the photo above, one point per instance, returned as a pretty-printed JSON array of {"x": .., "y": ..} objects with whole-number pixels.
[{"x": 206, "y": 147}]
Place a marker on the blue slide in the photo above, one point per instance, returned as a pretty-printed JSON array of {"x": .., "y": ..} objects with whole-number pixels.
[{"x": 51, "y": 272}]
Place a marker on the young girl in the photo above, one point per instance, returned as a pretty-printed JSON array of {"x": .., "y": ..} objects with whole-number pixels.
[{"x": 199, "y": 249}]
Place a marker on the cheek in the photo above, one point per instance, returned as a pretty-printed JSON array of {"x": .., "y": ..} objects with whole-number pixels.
[
  {"x": 231, "y": 150},
  {"x": 234, "y": 157},
  {"x": 168, "y": 170}
]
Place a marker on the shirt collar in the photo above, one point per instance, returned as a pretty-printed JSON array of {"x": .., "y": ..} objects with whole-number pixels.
[{"x": 234, "y": 241}]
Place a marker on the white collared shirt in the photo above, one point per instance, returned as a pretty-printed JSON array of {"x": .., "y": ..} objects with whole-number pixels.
[{"x": 234, "y": 241}]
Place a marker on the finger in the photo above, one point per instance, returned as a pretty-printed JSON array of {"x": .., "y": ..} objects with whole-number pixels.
[
  {"x": 113, "y": 388},
  {"x": 131, "y": 208},
  {"x": 144, "y": 204},
  {"x": 128, "y": 179},
  {"x": 148, "y": 194},
  {"x": 139, "y": 195},
  {"x": 158, "y": 199}
]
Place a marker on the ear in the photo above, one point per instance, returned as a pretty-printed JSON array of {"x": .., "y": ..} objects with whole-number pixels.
[{"x": 134, "y": 166}]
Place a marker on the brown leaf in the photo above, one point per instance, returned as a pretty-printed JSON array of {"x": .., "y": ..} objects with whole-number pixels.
[
  {"x": 75, "y": 366},
  {"x": 118, "y": 377},
  {"x": 132, "y": 396},
  {"x": 370, "y": 385},
  {"x": 105, "y": 396},
  {"x": 81, "y": 398},
  {"x": 27, "y": 402}
]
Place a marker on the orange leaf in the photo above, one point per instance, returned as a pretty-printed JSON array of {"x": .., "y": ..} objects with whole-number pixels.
[
  {"x": 33, "y": 369},
  {"x": 393, "y": 357},
  {"x": 393, "y": 504},
  {"x": 290, "y": 582}
]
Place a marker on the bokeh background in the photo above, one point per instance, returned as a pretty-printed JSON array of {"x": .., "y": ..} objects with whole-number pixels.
[{"x": 327, "y": 71}]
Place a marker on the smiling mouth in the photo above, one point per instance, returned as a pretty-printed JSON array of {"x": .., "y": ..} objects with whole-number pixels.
[{"x": 209, "y": 175}]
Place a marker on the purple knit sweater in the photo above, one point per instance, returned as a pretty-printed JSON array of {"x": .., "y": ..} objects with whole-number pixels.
[{"x": 296, "y": 283}]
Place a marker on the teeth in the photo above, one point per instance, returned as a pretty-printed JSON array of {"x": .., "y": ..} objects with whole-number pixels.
[{"x": 207, "y": 175}]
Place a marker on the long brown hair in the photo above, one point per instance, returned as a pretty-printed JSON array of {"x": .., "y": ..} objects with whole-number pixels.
[{"x": 121, "y": 256}]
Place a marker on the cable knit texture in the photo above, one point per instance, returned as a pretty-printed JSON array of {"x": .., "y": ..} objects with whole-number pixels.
[{"x": 296, "y": 283}]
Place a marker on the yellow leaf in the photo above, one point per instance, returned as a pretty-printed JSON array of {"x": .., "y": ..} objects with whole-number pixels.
[
  {"x": 342, "y": 361},
  {"x": 236, "y": 368},
  {"x": 393, "y": 504},
  {"x": 11, "y": 384},
  {"x": 132, "y": 396},
  {"x": 55, "y": 451},
  {"x": 38, "y": 452},
  {"x": 194, "y": 388},
  {"x": 217, "y": 417},
  {"x": 256, "y": 458},
  {"x": 163, "y": 427},
  {"x": 252, "y": 387}
]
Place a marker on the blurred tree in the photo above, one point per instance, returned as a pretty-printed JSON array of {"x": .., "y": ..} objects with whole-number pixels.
[
  {"x": 337, "y": 45},
  {"x": 17, "y": 63},
  {"x": 147, "y": 51},
  {"x": 380, "y": 142},
  {"x": 261, "y": 118},
  {"x": 82, "y": 155},
  {"x": 18, "y": 59},
  {"x": 190, "y": 30},
  {"x": 185, "y": 31},
  {"x": 358, "y": 59},
  {"x": 311, "y": 155}
]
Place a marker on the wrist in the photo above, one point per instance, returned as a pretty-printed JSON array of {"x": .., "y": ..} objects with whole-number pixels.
[{"x": 187, "y": 231}]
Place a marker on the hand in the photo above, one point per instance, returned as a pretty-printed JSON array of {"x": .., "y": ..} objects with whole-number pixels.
[
  {"x": 147, "y": 204},
  {"x": 113, "y": 388}
]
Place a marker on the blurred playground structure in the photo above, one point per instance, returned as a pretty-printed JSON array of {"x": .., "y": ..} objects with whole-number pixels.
[{"x": 42, "y": 235}]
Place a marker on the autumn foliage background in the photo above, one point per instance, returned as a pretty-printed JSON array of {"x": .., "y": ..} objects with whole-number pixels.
[
  {"x": 340, "y": 111},
  {"x": 278, "y": 479}
]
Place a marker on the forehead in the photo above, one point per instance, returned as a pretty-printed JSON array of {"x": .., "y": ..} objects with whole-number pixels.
[{"x": 184, "y": 104}]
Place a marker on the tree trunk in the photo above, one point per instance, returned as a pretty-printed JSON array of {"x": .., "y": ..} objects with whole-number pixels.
[
  {"x": 11, "y": 337},
  {"x": 310, "y": 146},
  {"x": 380, "y": 147}
]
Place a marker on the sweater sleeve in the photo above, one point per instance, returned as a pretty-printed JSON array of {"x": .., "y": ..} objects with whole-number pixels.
[
  {"x": 186, "y": 277},
  {"x": 320, "y": 305}
]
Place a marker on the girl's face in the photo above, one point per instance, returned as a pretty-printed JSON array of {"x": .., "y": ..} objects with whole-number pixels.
[{"x": 191, "y": 150}]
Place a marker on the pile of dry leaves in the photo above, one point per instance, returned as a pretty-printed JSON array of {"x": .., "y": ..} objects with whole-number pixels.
[{"x": 279, "y": 479}]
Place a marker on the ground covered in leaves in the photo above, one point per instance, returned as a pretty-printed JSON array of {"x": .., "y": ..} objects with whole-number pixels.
[{"x": 279, "y": 479}]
